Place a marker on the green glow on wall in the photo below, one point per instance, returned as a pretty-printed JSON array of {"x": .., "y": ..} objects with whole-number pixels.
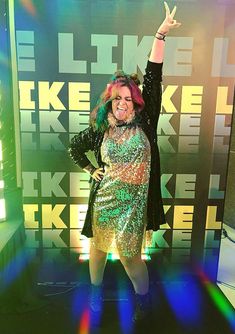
[
  {"x": 2, "y": 200},
  {"x": 15, "y": 91}
]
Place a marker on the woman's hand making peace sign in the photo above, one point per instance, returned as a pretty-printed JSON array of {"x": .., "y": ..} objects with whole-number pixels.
[
  {"x": 169, "y": 22},
  {"x": 157, "y": 52}
]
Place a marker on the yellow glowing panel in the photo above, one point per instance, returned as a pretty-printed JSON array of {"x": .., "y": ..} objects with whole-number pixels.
[{"x": 2, "y": 209}]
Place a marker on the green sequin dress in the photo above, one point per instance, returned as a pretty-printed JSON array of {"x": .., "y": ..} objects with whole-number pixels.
[{"x": 119, "y": 210}]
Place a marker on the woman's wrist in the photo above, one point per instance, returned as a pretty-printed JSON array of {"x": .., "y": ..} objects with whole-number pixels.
[
  {"x": 160, "y": 35},
  {"x": 90, "y": 169}
]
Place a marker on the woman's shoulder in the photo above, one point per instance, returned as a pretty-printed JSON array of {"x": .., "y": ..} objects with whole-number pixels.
[
  {"x": 153, "y": 71},
  {"x": 91, "y": 130}
]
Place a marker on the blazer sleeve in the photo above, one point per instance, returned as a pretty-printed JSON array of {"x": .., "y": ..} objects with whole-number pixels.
[
  {"x": 80, "y": 144},
  {"x": 152, "y": 93}
]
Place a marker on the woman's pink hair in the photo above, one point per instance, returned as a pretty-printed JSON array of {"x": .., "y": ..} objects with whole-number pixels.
[
  {"x": 104, "y": 106},
  {"x": 112, "y": 90}
]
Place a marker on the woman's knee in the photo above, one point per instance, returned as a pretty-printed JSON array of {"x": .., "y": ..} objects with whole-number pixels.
[
  {"x": 130, "y": 261},
  {"x": 97, "y": 254}
]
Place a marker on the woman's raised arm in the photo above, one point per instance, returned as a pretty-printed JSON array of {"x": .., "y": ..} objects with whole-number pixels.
[{"x": 157, "y": 52}]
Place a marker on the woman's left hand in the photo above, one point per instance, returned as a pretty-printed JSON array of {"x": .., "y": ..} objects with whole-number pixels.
[{"x": 169, "y": 22}]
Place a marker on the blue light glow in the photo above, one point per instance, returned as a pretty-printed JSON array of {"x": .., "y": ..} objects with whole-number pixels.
[{"x": 185, "y": 301}]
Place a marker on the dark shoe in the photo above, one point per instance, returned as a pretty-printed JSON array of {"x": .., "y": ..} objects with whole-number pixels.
[
  {"x": 95, "y": 305},
  {"x": 95, "y": 300},
  {"x": 142, "y": 308}
]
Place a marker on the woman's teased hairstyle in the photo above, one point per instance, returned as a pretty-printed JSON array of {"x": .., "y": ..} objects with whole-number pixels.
[{"x": 99, "y": 115}]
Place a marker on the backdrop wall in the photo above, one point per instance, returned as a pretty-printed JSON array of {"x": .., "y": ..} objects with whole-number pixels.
[{"x": 67, "y": 51}]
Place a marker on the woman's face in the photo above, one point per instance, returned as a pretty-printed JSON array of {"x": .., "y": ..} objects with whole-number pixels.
[{"x": 122, "y": 105}]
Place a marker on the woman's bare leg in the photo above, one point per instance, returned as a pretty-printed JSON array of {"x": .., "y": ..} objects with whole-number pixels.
[
  {"x": 137, "y": 271},
  {"x": 97, "y": 264}
]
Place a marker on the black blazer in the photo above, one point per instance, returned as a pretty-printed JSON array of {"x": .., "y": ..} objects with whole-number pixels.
[{"x": 91, "y": 139}]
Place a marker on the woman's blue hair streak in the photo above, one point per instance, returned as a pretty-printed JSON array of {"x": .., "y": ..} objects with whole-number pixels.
[{"x": 101, "y": 121}]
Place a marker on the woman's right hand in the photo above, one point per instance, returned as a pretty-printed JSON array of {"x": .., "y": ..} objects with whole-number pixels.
[
  {"x": 98, "y": 174},
  {"x": 169, "y": 22}
]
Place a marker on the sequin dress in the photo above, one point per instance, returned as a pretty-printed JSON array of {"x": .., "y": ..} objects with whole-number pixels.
[
  {"x": 91, "y": 139},
  {"x": 120, "y": 203}
]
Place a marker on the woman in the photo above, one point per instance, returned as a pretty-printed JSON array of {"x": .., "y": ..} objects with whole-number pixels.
[{"x": 125, "y": 198}]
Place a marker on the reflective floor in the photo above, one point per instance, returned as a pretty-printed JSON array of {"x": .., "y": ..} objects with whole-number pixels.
[{"x": 180, "y": 305}]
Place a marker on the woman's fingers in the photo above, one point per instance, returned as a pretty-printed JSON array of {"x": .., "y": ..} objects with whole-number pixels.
[
  {"x": 98, "y": 174},
  {"x": 172, "y": 14},
  {"x": 100, "y": 171},
  {"x": 175, "y": 24},
  {"x": 167, "y": 9},
  {"x": 97, "y": 177},
  {"x": 168, "y": 13},
  {"x": 169, "y": 22}
]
